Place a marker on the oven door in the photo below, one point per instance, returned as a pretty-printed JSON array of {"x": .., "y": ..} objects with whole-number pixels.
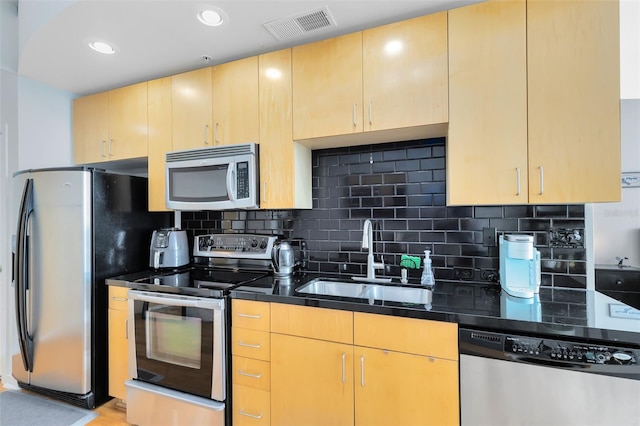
[{"x": 178, "y": 342}]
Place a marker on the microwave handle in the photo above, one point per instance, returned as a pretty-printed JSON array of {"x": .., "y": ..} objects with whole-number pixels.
[{"x": 231, "y": 181}]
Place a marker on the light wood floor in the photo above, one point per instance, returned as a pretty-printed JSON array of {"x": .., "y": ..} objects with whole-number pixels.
[{"x": 109, "y": 414}]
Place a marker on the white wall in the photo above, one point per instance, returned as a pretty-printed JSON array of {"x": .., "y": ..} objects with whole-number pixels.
[
  {"x": 8, "y": 160},
  {"x": 45, "y": 120},
  {"x": 629, "y": 49}
]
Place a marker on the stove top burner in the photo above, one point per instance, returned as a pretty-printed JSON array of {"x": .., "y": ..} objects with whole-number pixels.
[{"x": 198, "y": 280}]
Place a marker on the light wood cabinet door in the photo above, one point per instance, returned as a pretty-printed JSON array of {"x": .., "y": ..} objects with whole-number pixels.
[
  {"x": 327, "y": 87},
  {"x": 573, "y": 53},
  {"x": 311, "y": 382},
  {"x": 285, "y": 165},
  {"x": 128, "y": 122},
  {"x": 160, "y": 142},
  {"x": 487, "y": 142},
  {"x": 192, "y": 109},
  {"x": 405, "y": 73},
  {"x": 393, "y": 388},
  {"x": 90, "y": 128},
  {"x": 117, "y": 325},
  {"x": 235, "y": 102}
]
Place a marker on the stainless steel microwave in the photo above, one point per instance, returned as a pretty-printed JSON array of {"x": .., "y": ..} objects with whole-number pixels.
[{"x": 218, "y": 178}]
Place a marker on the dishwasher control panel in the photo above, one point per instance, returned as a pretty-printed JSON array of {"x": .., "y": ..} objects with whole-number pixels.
[
  {"x": 572, "y": 352},
  {"x": 588, "y": 357}
]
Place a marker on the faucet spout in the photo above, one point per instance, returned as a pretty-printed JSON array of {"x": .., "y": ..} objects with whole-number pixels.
[{"x": 367, "y": 243}]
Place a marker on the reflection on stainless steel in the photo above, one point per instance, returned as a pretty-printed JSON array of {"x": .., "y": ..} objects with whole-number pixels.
[{"x": 372, "y": 292}]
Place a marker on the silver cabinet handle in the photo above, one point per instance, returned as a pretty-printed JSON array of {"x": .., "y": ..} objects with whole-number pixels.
[
  {"x": 344, "y": 367},
  {"x": 102, "y": 142},
  {"x": 119, "y": 299},
  {"x": 355, "y": 124},
  {"x": 126, "y": 329},
  {"x": 517, "y": 180},
  {"x": 541, "y": 180},
  {"x": 215, "y": 134},
  {"x": 370, "y": 112},
  {"x": 264, "y": 192},
  {"x": 204, "y": 134},
  {"x": 253, "y": 416},
  {"x": 362, "y": 370},
  {"x": 254, "y": 376},
  {"x": 249, "y": 345},
  {"x": 109, "y": 151},
  {"x": 249, "y": 316}
]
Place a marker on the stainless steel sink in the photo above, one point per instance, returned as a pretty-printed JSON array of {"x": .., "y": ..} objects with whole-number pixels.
[{"x": 370, "y": 292}]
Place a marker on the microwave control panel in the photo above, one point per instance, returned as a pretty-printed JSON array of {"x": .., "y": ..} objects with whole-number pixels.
[{"x": 242, "y": 180}]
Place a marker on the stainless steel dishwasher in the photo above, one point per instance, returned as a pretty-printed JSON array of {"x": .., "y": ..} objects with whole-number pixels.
[{"x": 508, "y": 379}]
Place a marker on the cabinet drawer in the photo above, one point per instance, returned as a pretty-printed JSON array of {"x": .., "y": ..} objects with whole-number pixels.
[
  {"x": 314, "y": 323},
  {"x": 410, "y": 335},
  {"x": 252, "y": 373},
  {"x": 118, "y": 298},
  {"x": 251, "y": 406},
  {"x": 250, "y": 314},
  {"x": 251, "y": 343}
]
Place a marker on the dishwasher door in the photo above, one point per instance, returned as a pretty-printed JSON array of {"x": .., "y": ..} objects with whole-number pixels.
[{"x": 508, "y": 380}]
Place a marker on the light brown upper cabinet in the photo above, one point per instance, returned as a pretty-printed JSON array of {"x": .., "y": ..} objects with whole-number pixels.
[
  {"x": 386, "y": 78},
  {"x": 487, "y": 142},
  {"x": 160, "y": 142},
  {"x": 405, "y": 78},
  {"x": 111, "y": 125},
  {"x": 192, "y": 109},
  {"x": 285, "y": 165},
  {"x": 235, "y": 102},
  {"x": 534, "y": 103},
  {"x": 574, "y": 101},
  {"x": 327, "y": 87}
]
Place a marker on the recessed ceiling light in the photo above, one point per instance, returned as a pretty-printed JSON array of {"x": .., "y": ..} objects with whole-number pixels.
[
  {"x": 210, "y": 17},
  {"x": 102, "y": 47}
]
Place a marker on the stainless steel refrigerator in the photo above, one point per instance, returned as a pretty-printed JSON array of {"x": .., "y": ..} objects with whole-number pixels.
[{"x": 74, "y": 228}]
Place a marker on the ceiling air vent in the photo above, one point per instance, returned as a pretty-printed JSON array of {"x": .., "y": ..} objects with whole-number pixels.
[{"x": 302, "y": 23}]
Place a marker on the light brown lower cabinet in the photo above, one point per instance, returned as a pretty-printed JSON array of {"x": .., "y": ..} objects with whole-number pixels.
[
  {"x": 343, "y": 368},
  {"x": 118, "y": 370}
]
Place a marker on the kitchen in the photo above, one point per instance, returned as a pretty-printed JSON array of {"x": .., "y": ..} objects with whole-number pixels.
[{"x": 324, "y": 232}]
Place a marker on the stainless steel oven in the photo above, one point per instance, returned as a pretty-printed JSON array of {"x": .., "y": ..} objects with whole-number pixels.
[{"x": 178, "y": 343}]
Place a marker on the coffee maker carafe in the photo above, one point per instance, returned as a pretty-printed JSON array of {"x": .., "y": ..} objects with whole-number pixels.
[{"x": 519, "y": 265}]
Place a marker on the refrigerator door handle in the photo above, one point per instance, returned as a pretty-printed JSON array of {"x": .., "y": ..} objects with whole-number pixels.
[{"x": 21, "y": 269}]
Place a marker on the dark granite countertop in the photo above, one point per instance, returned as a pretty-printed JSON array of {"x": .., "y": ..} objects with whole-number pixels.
[
  {"x": 566, "y": 313},
  {"x": 555, "y": 312}
]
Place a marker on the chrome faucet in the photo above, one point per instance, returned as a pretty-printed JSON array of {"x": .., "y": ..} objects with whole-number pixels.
[{"x": 367, "y": 243}]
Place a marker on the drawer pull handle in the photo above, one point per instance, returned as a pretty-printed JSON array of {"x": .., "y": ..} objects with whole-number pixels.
[
  {"x": 344, "y": 368},
  {"x": 253, "y": 416},
  {"x": 249, "y": 345},
  {"x": 249, "y": 316},
  {"x": 362, "y": 370},
  {"x": 254, "y": 376},
  {"x": 517, "y": 180},
  {"x": 541, "y": 180},
  {"x": 119, "y": 299}
]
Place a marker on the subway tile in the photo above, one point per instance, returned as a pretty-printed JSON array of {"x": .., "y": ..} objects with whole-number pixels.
[
  {"x": 576, "y": 210},
  {"x": 420, "y": 224},
  {"x": 460, "y": 211},
  {"x": 371, "y": 179},
  {"x": 382, "y": 190},
  {"x": 518, "y": 211},
  {"x": 360, "y": 169},
  {"x": 371, "y": 201},
  {"x": 460, "y": 237},
  {"x": 407, "y": 212},
  {"x": 419, "y": 200},
  {"x": 433, "y": 212},
  {"x": 534, "y": 224},
  {"x": 395, "y": 201},
  {"x": 383, "y": 213},
  {"x": 504, "y": 225},
  {"x": 409, "y": 189},
  {"x": 395, "y": 178},
  {"x": 394, "y": 155},
  {"x": 408, "y": 165},
  {"x": 488, "y": 211},
  {"x": 381, "y": 167},
  {"x": 420, "y": 176},
  {"x": 473, "y": 224},
  {"x": 550, "y": 211},
  {"x": 432, "y": 163}
]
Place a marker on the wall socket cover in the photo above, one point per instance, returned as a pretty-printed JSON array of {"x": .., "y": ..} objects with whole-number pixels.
[{"x": 489, "y": 237}]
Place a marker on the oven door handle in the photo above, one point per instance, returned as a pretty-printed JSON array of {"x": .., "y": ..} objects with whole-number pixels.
[{"x": 188, "y": 302}]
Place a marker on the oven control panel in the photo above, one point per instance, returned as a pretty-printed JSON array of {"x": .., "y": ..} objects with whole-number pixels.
[{"x": 241, "y": 246}]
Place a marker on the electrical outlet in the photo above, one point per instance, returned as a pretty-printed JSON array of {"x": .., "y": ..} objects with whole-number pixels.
[
  {"x": 463, "y": 273},
  {"x": 490, "y": 275},
  {"x": 489, "y": 238}
]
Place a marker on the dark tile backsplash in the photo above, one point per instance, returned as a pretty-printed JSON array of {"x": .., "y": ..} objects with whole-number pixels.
[{"x": 402, "y": 188}]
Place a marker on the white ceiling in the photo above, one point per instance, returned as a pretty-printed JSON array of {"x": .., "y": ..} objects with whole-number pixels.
[{"x": 157, "y": 38}]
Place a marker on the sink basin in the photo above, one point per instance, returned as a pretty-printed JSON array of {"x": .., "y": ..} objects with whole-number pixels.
[{"x": 370, "y": 292}]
